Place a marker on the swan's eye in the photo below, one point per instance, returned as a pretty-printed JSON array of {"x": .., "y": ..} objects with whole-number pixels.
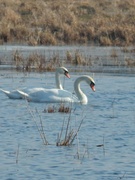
[
  {"x": 67, "y": 74},
  {"x": 92, "y": 85}
]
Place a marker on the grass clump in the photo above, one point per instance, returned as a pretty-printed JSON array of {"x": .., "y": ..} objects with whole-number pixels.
[
  {"x": 42, "y": 62},
  {"x": 67, "y": 137},
  {"x": 76, "y": 58},
  {"x": 67, "y": 132},
  {"x": 130, "y": 62},
  {"x": 35, "y": 61},
  {"x": 62, "y": 108}
]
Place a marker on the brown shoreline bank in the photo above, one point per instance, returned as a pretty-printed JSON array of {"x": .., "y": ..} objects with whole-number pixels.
[{"x": 49, "y": 22}]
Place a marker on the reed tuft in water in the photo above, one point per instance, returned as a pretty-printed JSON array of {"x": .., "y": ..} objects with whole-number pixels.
[
  {"x": 66, "y": 137},
  {"x": 61, "y": 108}
]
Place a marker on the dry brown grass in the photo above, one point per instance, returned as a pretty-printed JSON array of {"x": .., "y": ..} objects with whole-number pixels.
[
  {"x": 49, "y": 22},
  {"x": 58, "y": 108},
  {"x": 34, "y": 61},
  {"x": 114, "y": 53},
  {"x": 41, "y": 62},
  {"x": 67, "y": 135},
  {"x": 130, "y": 62},
  {"x": 77, "y": 59}
]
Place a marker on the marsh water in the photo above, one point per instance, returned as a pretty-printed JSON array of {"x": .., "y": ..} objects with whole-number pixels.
[
  {"x": 100, "y": 59},
  {"x": 104, "y": 148}
]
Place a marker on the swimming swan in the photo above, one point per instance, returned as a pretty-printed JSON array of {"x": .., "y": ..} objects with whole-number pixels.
[
  {"x": 59, "y": 71},
  {"x": 59, "y": 95}
]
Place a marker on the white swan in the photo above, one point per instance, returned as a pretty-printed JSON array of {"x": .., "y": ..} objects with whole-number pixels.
[
  {"x": 59, "y": 71},
  {"x": 58, "y": 95}
]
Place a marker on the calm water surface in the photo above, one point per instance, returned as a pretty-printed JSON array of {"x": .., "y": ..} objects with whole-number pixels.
[{"x": 109, "y": 120}]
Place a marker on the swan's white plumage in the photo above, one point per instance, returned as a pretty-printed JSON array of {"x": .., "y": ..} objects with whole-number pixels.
[
  {"x": 14, "y": 94},
  {"x": 59, "y": 95},
  {"x": 49, "y": 96}
]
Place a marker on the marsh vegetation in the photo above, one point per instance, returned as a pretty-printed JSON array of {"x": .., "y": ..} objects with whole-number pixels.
[{"x": 49, "y": 22}]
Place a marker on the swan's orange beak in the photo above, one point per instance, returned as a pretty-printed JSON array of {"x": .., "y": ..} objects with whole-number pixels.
[
  {"x": 92, "y": 87},
  {"x": 67, "y": 75}
]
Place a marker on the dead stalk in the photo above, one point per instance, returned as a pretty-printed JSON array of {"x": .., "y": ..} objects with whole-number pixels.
[
  {"x": 40, "y": 129},
  {"x": 59, "y": 136},
  {"x": 102, "y": 145},
  {"x": 78, "y": 148},
  {"x": 69, "y": 135},
  {"x": 77, "y": 131},
  {"x": 17, "y": 154},
  {"x": 67, "y": 126}
]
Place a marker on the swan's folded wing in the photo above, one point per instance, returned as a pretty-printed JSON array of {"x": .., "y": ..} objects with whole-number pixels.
[
  {"x": 23, "y": 94},
  {"x": 49, "y": 95},
  {"x": 65, "y": 96}
]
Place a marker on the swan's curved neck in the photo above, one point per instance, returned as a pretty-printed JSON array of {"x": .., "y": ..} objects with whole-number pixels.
[
  {"x": 81, "y": 96},
  {"x": 57, "y": 79}
]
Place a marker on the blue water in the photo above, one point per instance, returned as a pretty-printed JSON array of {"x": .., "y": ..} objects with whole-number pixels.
[{"x": 104, "y": 148}]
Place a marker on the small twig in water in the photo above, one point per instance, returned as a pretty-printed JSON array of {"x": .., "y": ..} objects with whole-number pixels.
[
  {"x": 17, "y": 154},
  {"x": 102, "y": 145},
  {"x": 123, "y": 176}
]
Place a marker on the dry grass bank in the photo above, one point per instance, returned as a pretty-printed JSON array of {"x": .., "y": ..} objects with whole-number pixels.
[{"x": 51, "y": 22}]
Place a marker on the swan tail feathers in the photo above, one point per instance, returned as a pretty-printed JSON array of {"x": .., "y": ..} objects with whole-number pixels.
[
  {"x": 6, "y": 92},
  {"x": 23, "y": 94}
]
